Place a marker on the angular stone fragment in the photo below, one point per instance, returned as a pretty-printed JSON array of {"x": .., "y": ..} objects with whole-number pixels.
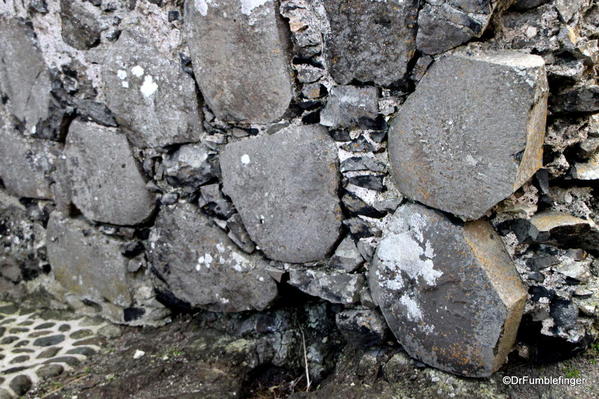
[
  {"x": 346, "y": 257},
  {"x": 24, "y": 76},
  {"x": 349, "y": 105},
  {"x": 105, "y": 182},
  {"x": 25, "y": 164},
  {"x": 285, "y": 189},
  {"x": 450, "y": 293},
  {"x": 87, "y": 263},
  {"x": 370, "y": 41},
  {"x": 239, "y": 53},
  {"x": 472, "y": 132},
  {"x": 562, "y": 230},
  {"x": 80, "y": 28},
  {"x": 443, "y": 25},
  {"x": 201, "y": 266},
  {"x": 335, "y": 287},
  {"x": 361, "y": 327},
  {"x": 587, "y": 170},
  {"x": 149, "y": 94}
]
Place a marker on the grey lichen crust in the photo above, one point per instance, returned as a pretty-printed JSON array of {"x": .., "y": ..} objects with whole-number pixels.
[
  {"x": 239, "y": 53},
  {"x": 450, "y": 293},
  {"x": 472, "y": 132},
  {"x": 198, "y": 263},
  {"x": 285, "y": 189}
]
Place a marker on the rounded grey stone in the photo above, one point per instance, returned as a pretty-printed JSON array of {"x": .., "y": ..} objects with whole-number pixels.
[
  {"x": 50, "y": 370},
  {"x": 20, "y": 384},
  {"x": 285, "y": 189}
]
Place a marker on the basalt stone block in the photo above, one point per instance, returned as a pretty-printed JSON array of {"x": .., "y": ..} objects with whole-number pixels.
[
  {"x": 450, "y": 293},
  {"x": 26, "y": 163},
  {"x": 105, "y": 182},
  {"x": 285, "y": 189},
  {"x": 443, "y": 25},
  {"x": 24, "y": 77},
  {"x": 80, "y": 27},
  {"x": 87, "y": 263},
  {"x": 370, "y": 41},
  {"x": 472, "y": 133},
  {"x": 149, "y": 94},
  {"x": 239, "y": 54},
  {"x": 196, "y": 261}
]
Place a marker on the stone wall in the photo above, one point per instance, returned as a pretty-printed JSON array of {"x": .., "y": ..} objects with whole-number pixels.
[{"x": 429, "y": 166}]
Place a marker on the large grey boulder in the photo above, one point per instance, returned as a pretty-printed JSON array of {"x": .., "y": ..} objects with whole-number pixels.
[
  {"x": 24, "y": 76},
  {"x": 450, "y": 293},
  {"x": 472, "y": 133},
  {"x": 443, "y": 25},
  {"x": 26, "y": 164},
  {"x": 239, "y": 54},
  {"x": 201, "y": 266},
  {"x": 149, "y": 94},
  {"x": 370, "y": 41},
  {"x": 285, "y": 189},
  {"x": 105, "y": 182}
]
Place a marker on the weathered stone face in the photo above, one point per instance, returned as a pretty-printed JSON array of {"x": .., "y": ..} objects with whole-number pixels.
[
  {"x": 472, "y": 133},
  {"x": 104, "y": 179},
  {"x": 370, "y": 41},
  {"x": 80, "y": 28},
  {"x": 239, "y": 53},
  {"x": 149, "y": 94},
  {"x": 443, "y": 25},
  {"x": 24, "y": 76},
  {"x": 450, "y": 294},
  {"x": 285, "y": 189},
  {"x": 348, "y": 105},
  {"x": 335, "y": 287},
  {"x": 202, "y": 267},
  {"x": 25, "y": 164},
  {"x": 87, "y": 263}
]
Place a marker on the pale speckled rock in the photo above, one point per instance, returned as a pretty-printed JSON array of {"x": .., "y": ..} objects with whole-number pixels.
[
  {"x": 149, "y": 94},
  {"x": 196, "y": 261},
  {"x": 332, "y": 286},
  {"x": 25, "y": 164},
  {"x": 450, "y": 293},
  {"x": 443, "y": 25},
  {"x": 348, "y": 105},
  {"x": 370, "y": 41},
  {"x": 87, "y": 263},
  {"x": 239, "y": 54},
  {"x": 587, "y": 170},
  {"x": 285, "y": 189},
  {"x": 472, "y": 133},
  {"x": 104, "y": 179}
]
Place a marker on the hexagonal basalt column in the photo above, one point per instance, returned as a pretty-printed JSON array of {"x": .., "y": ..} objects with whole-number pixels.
[
  {"x": 239, "y": 53},
  {"x": 450, "y": 293},
  {"x": 472, "y": 133},
  {"x": 285, "y": 189}
]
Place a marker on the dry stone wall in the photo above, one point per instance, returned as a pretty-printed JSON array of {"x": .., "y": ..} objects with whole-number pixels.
[{"x": 429, "y": 167}]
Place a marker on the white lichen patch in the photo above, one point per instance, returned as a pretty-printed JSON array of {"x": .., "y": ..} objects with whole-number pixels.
[
  {"x": 137, "y": 71},
  {"x": 414, "y": 312},
  {"x": 122, "y": 74},
  {"x": 245, "y": 159},
  {"x": 149, "y": 87}
]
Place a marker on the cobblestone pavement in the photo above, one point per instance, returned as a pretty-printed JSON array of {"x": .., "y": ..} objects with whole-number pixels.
[{"x": 36, "y": 346}]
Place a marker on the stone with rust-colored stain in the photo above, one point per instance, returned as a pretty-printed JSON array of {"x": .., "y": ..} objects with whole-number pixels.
[
  {"x": 472, "y": 133},
  {"x": 450, "y": 293},
  {"x": 285, "y": 189},
  {"x": 240, "y": 60}
]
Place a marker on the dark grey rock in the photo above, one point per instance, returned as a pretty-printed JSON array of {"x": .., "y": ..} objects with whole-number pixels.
[
  {"x": 361, "y": 164},
  {"x": 197, "y": 263},
  {"x": 190, "y": 165},
  {"x": 239, "y": 235},
  {"x": 20, "y": 384},
  {"x": 578, "y": 100},
  {"x": 213, "y": 202},
  {"x": 105, "y": 182},
  {"x": 370, "y": 41},
  {"x": 245, "y": 80},
  {"x": 38, "y": 6},
  {"x": 562, "y": 230},
  {"x": 450, "y": 293},
  {"x": 527, "y": 4},
  {"x": 356, "y": 206},
  {"x": 80, "y": 28},
  {"x": 49, "y": 371},
  {"x": 49, "y": 341},
  {"x": 149, "y": 94},
  {"x": 26, "y": 164},
  {"x": 361, "y": 144},
  {"x": 346, "y": 256},
  {"x": 452, "y": 151},
  {"x": 347, "y": 105},
  {"x": 371, "y": 182},
  {"x": 285, "y": 189},
  {"x": 361, "y": 327},
  {"x": 443, "y": 25},
  {"x": 332, "y": 286}
]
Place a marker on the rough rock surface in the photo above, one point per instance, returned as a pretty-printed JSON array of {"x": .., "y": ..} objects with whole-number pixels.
[
  {"x": 370, "y": 41},
  {"x": 285, "y": 189},
  {"x": 150, "y": 94},
  {"x": 349, "y": 105},
  {"x": 463, "y": 144},
  {"x": 333, "y": 286},
  {"x": 450, "y": 293},
  {"x": 201, "y": 266},
  {"x": 26, "y": 164},
  {"x": 239, "y": 53},
  {"x": 80, "y": 28},
  {"x": 99, "y": 164}
]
